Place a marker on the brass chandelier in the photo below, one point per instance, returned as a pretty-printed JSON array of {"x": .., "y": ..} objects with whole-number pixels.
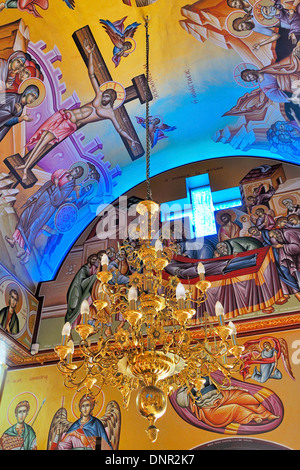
[{"x": 145, "y": 355}]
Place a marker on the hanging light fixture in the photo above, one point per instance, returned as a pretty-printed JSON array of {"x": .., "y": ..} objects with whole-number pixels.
[{"x": 148, "y": 357}]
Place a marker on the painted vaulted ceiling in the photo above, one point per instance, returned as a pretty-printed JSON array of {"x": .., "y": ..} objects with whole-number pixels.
[{"x": 58, "y": 58}]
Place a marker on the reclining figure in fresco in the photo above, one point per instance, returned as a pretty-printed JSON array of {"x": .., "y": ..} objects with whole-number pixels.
[{"x": 40, "y": 207}]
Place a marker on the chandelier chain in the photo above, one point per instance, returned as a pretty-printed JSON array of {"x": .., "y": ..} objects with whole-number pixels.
[{"x": 149, "y": 192}]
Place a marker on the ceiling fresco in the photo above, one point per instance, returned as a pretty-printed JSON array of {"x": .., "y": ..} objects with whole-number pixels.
[{"x": 223, "y": 81}]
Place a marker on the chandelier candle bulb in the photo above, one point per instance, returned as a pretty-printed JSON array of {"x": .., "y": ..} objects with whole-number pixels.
[
  {"x": 233, "y": 334},
  {"x": 71, "y": 347},
  {"x": 104, "y": 262},
  {"x": 159, "y": 248},
  {"x": 132, "y": 297},
  {"x": 201, "y": 271},
  {"x": 180, "y": 295},
  {"x": 65, "y": 333},
  {"x": 84, "y": 310},
  {"x": 220, "y": 313}
]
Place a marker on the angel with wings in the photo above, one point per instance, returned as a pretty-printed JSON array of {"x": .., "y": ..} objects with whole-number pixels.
[
  {"x": 88, "y": 431},
  {"x": 121, "y": 37},
  {"x": 265, "y": 353},
  {"x": 157, "y": 128}
]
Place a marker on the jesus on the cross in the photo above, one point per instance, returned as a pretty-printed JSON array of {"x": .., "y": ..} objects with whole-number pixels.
[{"x": 66, "y": 121}]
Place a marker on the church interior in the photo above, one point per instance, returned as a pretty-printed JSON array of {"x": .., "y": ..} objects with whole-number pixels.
[{"x": 150, "y": 225}]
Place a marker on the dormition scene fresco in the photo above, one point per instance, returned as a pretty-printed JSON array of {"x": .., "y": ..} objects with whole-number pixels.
[{"x": 250, "y": 255}]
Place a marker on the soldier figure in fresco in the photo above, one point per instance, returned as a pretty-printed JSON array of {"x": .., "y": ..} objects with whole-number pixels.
[{"x": 20, "y": 436}]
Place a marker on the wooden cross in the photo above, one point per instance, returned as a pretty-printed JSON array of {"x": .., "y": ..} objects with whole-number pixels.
[{"x": 137, "y": 90}]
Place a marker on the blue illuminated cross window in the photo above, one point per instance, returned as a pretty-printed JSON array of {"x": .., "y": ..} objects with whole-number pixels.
[
  {"x": 203, "y": 211},
  {"x": 200, "y": 204},
  {"x": 205, "y": 203}
]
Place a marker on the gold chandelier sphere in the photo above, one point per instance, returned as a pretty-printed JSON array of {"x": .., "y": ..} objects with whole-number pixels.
[{"x": 151, "y": 402}]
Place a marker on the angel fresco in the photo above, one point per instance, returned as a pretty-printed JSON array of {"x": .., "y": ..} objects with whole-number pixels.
[
  {"x": 85, "y": 433},
  {"x": 244, "y": 408},
  {"x": 264, "y": 353},
  {"x": 30, "y": 5},
  {"x": 157, "y": 128},
  {"x": 121, "y": 37}
]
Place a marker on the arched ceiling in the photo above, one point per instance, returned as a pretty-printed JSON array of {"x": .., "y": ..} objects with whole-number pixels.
[{"x": 196, "y": 59}]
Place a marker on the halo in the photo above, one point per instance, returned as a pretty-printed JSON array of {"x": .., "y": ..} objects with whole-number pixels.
[
  {"x": 291, "y": 197},
  {"x": 133, "y": 45},
  {"x": 266, "y": 340},
  {"x": 244, "y": 215},
  {"x": 33, "y": 403},
  {"x": 258, "y": 15},
  {"x": 99, "y": 403},
  {"x": 14, "y": 285},
  {"x": 229, "y": 20},
  {"x": 94, "y": 184},
  {"x": 119, "y": 89},
  {"x": 237, "y": 75},
  {"x": 41, "y": 86},
  {"x": 85, "y": 170},
  {"x": 225, "y": 211},
  {"x": 158, "y": 117},
  {"x": 260, "y": 206}
]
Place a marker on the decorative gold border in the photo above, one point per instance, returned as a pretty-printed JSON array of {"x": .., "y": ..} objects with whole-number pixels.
[{"x": 252, "y": 327}]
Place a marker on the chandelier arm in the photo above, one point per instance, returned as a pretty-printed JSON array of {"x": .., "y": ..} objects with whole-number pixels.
[
  {"x": 65, "y": 368},
  {"x": 68, "y": 383},
  {"x": 85, "y": 350}
]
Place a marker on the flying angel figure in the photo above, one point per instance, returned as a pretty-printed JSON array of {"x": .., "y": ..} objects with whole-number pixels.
[
  {"x": 83, "y": 433},
  {"x": 121, "y": 37},
  {"x": 265, "y": 353},
  {"x": 157, "y": 128}
]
